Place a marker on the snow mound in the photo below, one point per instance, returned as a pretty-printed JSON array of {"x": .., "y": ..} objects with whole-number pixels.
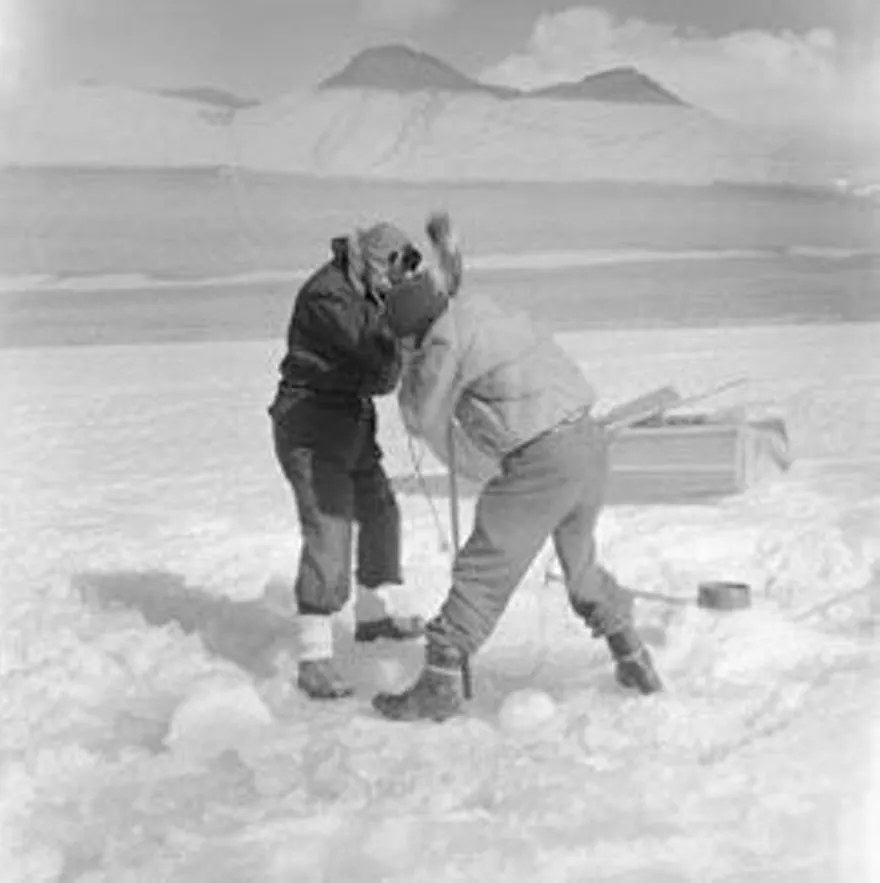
[
  {"x": 526, "y": 711},
  {"x": 216, "y": 716}
]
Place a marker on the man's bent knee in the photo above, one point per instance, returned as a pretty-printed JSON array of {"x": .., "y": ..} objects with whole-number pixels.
[{"x": 467, "y": 619}]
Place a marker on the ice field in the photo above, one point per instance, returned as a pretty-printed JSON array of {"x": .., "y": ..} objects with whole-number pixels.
[{"x": 149, "y": 732}]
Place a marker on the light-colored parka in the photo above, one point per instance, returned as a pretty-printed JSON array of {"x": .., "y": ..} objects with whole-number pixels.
[{"x": 492, "y": 377}]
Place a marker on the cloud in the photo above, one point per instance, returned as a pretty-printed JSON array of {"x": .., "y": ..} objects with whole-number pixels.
[
  {"x": 754, "y": 76},
  {"x": 403, "y": 15}
]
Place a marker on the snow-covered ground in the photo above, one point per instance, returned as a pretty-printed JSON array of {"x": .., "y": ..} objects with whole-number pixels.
[{"x": 149, "y": 731}]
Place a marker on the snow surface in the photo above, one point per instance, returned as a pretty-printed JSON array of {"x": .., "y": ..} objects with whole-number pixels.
[{"x": 149, "y": 545}]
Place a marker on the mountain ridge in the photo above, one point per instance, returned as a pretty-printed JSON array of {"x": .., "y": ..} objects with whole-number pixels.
[
  {"x": 441, "y": 128},
  {"x": 401, "y": 69},
  {"x": 210, "y": 95},
  {"x": 615, "y": 85}
]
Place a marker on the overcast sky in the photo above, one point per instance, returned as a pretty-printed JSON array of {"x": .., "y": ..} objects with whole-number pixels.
[{"x": 760, "y": 60}]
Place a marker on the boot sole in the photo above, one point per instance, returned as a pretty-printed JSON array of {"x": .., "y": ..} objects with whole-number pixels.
[
  {"x": 649, "y": 690},
  {"x": 325, "y": 697},
  {"x": 379, "y": 702},
  {"x": 372, "y": 638},
  {"x": 367, "y": 634}
]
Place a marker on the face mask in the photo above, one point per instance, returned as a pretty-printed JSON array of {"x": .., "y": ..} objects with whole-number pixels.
[{"x": 403, "y": 264}]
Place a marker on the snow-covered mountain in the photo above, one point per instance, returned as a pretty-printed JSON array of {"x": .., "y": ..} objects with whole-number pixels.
[
  {"x": 396, "y": 113},
  {"x": 434, "y": 135},
  {"x": 402, "y": 70},
  {"x": 393, "y": 112},
  {"x": 110, "y": 127}
]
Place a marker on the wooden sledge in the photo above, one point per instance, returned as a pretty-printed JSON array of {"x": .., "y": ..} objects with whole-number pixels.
[{"x": 661, "y": 457}]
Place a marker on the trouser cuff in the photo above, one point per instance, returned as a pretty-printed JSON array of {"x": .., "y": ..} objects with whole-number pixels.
[{"x": 315, "y": 637}]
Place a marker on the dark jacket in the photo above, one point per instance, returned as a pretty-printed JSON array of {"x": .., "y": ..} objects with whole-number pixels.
[
  {"x": 338, "y": 341},
  {"x": 340, "y": 353}
]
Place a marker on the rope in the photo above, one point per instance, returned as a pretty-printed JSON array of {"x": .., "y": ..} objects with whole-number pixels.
[{"x": 444, "y": 543}]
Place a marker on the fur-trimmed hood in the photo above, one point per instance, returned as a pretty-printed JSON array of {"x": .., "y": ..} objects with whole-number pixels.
[{"x": 367, "y": 254}]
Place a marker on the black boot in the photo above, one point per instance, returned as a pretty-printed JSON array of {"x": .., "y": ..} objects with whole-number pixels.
[
  {"x": 391, "y": 628},
  {"x": 436, "y": 695},
  {"x": 634, "y": 667}
]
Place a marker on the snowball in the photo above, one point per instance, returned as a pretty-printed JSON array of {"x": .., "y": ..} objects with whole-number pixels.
[
  {"x": 525, "y": 711},
  {"x": 216, "y": 716},
  {"x": 391, "y": 676}
]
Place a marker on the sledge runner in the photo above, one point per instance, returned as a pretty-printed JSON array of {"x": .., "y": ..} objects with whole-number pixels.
[
  {"x": 516, "y": 400},
  {"x": 340, "y": 354}
]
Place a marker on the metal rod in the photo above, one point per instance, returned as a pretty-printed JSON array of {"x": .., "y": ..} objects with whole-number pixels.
[
  {"x": 466, "y": 681},
  {"x": 638, "y": 593},
  {"x": 660, "y": 409},
  {"x": 709, "y": 393}
]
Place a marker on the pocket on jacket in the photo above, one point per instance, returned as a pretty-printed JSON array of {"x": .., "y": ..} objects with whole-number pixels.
[{"x": 483, "y": 426}]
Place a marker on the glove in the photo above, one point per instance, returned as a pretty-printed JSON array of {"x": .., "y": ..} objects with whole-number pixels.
[
  {"x": 439, "y": 227},
  {"x": 447, "y": 251}
]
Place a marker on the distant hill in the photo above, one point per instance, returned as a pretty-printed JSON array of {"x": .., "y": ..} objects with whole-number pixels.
[
  {"x": 219, "y": 98},
  {"x": 400, "y": 69},
  {"x": 619, "y": 85},
  {"x": 397, "y": 114}
]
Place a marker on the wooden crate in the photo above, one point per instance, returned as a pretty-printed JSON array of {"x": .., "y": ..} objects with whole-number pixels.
[{"x": 697, "y": 459}]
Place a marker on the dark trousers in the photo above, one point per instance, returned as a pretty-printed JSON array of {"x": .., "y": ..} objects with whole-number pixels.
[
  {"x": 552, "y": 487},
  {"x": 338, "y": 484}
]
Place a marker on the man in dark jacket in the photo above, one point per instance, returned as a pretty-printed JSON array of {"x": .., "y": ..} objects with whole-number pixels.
[{"x": 340, "y": 354}]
